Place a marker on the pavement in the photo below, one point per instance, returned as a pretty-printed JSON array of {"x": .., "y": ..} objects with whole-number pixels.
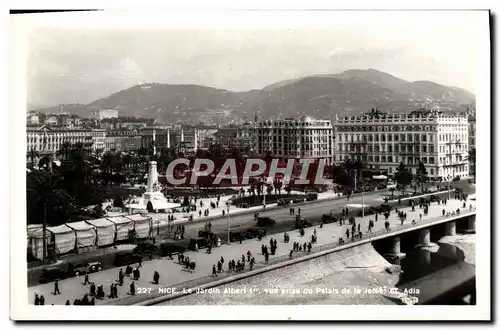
[{"x": 172, "y": 274}]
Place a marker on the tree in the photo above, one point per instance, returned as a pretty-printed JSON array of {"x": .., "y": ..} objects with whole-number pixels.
[
  {"x": 269, "y": 189},
  {"x": 421, "y": 176},
  {"x": 392, "y": 192},
  {"x": 32, "y": 156},
  {"x": 471, "y": 157},
  {"x": 278, "y": 185},
  {"x": 403, "y": 177},
  {"x": 64, "y": 151},
  {"x": 354, "y": 168},
  {"x": 118, "y": 202},
  {"x": 45, "y": 196}
]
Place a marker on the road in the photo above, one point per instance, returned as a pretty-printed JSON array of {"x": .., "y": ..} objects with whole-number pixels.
[
  {"x": 311, "y": 211},
  {"x": 171, "y": 274}
]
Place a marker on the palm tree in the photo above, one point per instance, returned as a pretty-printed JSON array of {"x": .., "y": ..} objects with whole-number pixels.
[
  {"x": 44, "y": 188},
  {"x": 353, "y": 166},
  {"x": 64, "y": 151},
  {"x": 471, "y": 157},
  {"x": 32, "y": 156}
]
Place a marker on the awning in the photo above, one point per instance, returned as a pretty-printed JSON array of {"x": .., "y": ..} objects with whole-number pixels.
[
  {"x": 80, "y": 225},
  {"x": 138, "y": 217},
  {"x": 102, "y": 222},
  {"x": 119, "y": 220},
  {"x": 62, "y": 229},
  {"x": 380, "y": 177}
]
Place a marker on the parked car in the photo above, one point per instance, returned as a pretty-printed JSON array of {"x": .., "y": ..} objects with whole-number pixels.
[
  {"x": 84, "y": 268},
  {"x": 126, "y": 258},
  {"x": 235, "y": 236},
  {"x": 385, "y": 207},
  {"x": 53, "y": 273},
  {"x": 311, "y": 197},
  {"x": 171, "y": 248},
  {"x": 203, "y": 233},
  {"x": 265, "y": 222},
  {"x": 145, "y": 247},
  {"x": 202, "y": 242},
  {"x": 301, "y": 222},
  {"x": 298, "y": 200},
  {"x": 254, "y": 232},
  {"x": 328, "y": 218}
]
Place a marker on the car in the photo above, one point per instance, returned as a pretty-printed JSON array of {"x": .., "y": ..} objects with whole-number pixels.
[
  {"x": 54, "y": 273},
  {"x": 202, "y": 242},
  {"x": 265, "y": 222},
  {"x": 126, "y": 258},
  {"x": 312, "y": 197},
  {"x": 385, "y": 207},
  {"x": 328, "y": 218},
  {"x": 84, "y": 268},
  {"x": 145, "y": 247},
  {"x": 301, "y": 222},
  {"x": 235, "y": 236},
  {"x": 171, "y": 248},
  {"x": 298, "y": 200},
  {"x": 254, "y": 232}
]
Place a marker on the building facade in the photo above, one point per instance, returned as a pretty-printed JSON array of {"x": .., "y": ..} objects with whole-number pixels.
[
  {"x": 106, "y": 113},
  {"x": 123, "y": 140},
  {"x": 382, "y": 141},
  {"x": 295, "y": 138},
  {"x": 472, "y": 140},
  {"x": 48, "y": 140}
]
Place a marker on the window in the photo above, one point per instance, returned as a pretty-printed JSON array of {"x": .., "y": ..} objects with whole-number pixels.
[
  {"x": 396, "y": 137},
  {"x": 390, "y": 148},
  {"x": 383, "y": 159},
  {"x": 389, "y": 159},
  {"x": 432, "y": 171},
  {"x": 389, "y": 137},
  {"x": 403, "y": 137},
  {"x": 431, "y": 160}
]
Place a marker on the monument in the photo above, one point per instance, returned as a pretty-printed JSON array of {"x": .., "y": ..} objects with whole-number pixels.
[{"x": 153, "y": 199}]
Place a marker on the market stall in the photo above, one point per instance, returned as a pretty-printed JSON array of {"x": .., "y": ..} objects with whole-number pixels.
[
  {"x": 64, "y": 238},
  {"x": 122, "y": 227},
  {"x": 142, "y": 224},
  {"x": 105, "y": 230},
  {"x": 35, "y": 240},
  {"x": 85, "y": 233}
]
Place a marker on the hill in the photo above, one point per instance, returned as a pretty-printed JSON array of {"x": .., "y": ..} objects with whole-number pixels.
[{"x": 322, "y": 96}]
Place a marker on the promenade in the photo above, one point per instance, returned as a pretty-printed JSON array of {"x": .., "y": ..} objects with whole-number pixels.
[{"x": 173, "y": 275}]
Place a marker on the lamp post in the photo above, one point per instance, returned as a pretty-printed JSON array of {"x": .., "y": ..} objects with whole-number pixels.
[
  {"x": 228, "y": 230},
  {"x": 362, "y": 202},
  {"x": 264, "y": 188}
]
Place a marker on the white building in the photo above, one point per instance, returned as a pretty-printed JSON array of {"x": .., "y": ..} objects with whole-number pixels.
[
  {"x": 383, "y": 141},
  {"x": 106, "y": 113},
  {"x": 48, "y": 140},
  {"x": 295, "y": 138}
]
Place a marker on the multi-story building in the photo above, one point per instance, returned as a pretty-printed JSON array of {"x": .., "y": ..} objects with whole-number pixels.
[
  {"x": 106, "y": 113},
  {"x": 124, "y": 140},
  {"x": 472, "y": 140},
  {"x": 295, "y": 138},
  {"x": 382, "y": 141},
  {"x": 48, "y": 140}
]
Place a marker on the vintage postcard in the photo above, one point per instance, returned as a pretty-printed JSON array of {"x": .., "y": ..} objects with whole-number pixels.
[{"x": 250, "y": 165}]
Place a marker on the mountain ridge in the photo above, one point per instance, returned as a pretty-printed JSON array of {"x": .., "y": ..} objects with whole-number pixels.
[{"x": 322, "y": 95}]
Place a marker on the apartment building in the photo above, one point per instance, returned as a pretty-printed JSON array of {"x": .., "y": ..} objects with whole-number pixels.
[
  {"x": 304, "y": 137},
  {"x": 383, "y": 141}
]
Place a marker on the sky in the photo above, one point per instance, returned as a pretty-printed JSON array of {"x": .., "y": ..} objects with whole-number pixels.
[{"x": 78, "y": 59}]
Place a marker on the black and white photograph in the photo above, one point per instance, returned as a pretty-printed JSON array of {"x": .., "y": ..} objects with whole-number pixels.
[{"x": 250, "y": 165}]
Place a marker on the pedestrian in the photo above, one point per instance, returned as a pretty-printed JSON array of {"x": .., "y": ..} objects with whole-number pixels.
[
  {"x": 156, "y": 277},
  {"x": 92, "y": 302},
  {"x": 219, "y": 266},
  {"x": 359, "y": 227},
  {"x": 252, "y": 261},
  {"x": 290, "y": 254},
  {"x": 267, "y": 257},
  {"x": 140, "y": 262},
  {"x": 67, "y": 303},
  {"x": 86, "y": 281},
  {"x": 241, "y": 239},
  {"x": 222, "y": 260},
  {"x": 376, "y": 217},
  {"x": 37, "y": 299},
  {"x": 132, "y": 289},
  {"x": 321, "y": 226},
  {"x": 196, "y": 247},
  {"x": 42, "y": 300},
  {"x": 56, "y": 288},
  {"x": 420, "y": 215},
  {"x": 347, "y": 233},
  {"x": 92, "y": 289}
]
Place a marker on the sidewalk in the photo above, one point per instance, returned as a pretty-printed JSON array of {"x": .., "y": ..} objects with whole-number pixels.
[{"x": 171, "y": 273}]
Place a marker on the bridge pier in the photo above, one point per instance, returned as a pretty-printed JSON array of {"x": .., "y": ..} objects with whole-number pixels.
[
  {"x": 396, "y": 248},
  {"x": 425, "y": 238},
  {"x": 471, "y": 224},
  {"x": 426, "y": 256},
  {"x": 451, "y": 228}
]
